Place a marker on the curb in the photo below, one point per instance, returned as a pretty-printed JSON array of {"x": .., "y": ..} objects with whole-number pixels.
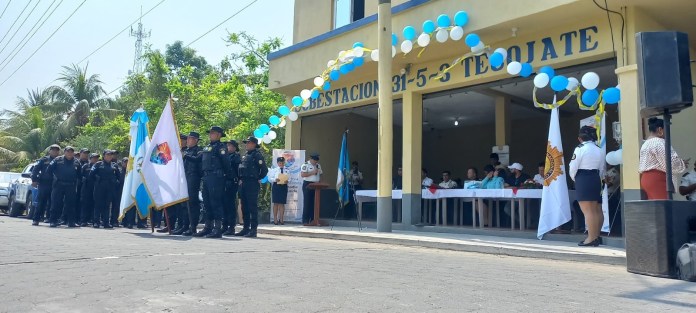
[{"x": 463, "y": 247}]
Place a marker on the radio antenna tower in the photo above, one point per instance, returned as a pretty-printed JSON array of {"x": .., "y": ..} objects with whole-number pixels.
[{"x": 139, "y": 35}]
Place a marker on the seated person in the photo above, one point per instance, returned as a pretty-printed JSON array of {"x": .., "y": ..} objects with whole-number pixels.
[
  {"x": 516, "y": 177},
  {"x": 427, "y": 182},
  {"x": 492, "y": 179},
  {"x": 495, "y": 162},
  {"x": 472, "y": 174},
  {"x": 447, "y": 182},
  {"x": 397, "y": 182},
  {"x": 539, "y": 177}
]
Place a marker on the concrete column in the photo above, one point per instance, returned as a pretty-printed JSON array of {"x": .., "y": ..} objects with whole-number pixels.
[
  {"x": 293, "y": 133},
  {"x": 631, "y": 130},
  {"x": 412, "y": 157},
  {"x": 502, "y": 121},
  {"x": 385, "y": 142}
]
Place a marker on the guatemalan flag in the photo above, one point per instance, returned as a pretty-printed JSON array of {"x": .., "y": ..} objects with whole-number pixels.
[
  {"x": 163, "y": 167},
  {"x": 555, "y": 206},
  {"x": 342, "y": 185},
  {"x": 134, "y": 192}
]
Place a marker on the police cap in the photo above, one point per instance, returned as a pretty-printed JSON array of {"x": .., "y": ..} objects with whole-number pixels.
[
  {"x": 182, "y": 136},
  {"x": 84, "y": 150},
  {"x": 252, "y": 139},
  {"x": 198, "y": 136},
  {"x": 94, "y": 155},
  {"x": 234, "y": 143},
  {"x": 107, "y": 151},
  {"x": 314, "y": 156},
  {"x": 51, "y": 147},
  {"x": 217, "y": 129},
  {"x": 69, "y": 148}
]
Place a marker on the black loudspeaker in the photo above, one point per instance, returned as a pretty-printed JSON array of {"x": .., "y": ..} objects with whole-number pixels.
[
  {"x": 664, "y": 72},
  {"x": 655, "y": 230}
]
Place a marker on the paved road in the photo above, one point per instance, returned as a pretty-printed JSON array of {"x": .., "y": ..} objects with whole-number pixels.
[{"x": 88, "y": 270}]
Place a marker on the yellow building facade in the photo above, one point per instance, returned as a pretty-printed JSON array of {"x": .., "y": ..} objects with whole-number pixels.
[{"x": 455, "y": 122}]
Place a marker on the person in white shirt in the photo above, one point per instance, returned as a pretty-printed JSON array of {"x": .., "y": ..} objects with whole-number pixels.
[
  {"x": 688, "y": 184},
  {"x": 586, "y": 170},
  {"x": 539, "y": 177},
  {"x": 279, "y": 190},
  {"x": 311, "y": 173},
  {"x": 427, "y": 181},
  {"x": 447, "y": 182}
]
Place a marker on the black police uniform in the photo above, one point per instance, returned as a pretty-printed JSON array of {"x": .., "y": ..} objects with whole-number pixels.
[
  {"x": 251, "y": 170},
  {"x": 105, "y": 176},
  {"x": 116, "y": 194},
  {"x": 78, "y": 196},
  {"x": 192, "y": 169},
  {"x": 65, "y": 174},
  {"x": 87, "y": 195},
  {"x": 215, "y": 165},
  {"x": 229, "y": 219},
  {"x": 40, "y": 175}
]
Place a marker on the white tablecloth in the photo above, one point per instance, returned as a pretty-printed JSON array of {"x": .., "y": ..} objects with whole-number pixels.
[{"x": 371, "y": 195}]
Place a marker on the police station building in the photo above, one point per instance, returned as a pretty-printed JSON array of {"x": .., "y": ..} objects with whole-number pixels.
[{"x": 456, "y": 121}]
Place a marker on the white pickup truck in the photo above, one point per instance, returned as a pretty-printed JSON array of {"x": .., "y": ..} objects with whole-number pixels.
[{"x": 22, "y": 198}]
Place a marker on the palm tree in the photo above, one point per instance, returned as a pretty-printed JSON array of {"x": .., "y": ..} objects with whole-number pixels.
[{"x": 25, "y": 133}]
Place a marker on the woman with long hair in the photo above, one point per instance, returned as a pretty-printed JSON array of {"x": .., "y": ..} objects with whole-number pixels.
[
  {"x": 586, "y": 170},
  {"x": 653, "y": 167}
]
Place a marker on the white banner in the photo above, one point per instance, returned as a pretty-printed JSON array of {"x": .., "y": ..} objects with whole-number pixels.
[{"x": 293, "y": 160}]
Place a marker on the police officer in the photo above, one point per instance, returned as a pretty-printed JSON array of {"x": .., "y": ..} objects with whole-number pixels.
[
  {"x": 251, "y": 170},
  {"x": 216, "y": 166},
  {"x": 229, "y": 218},
  {"x": 65, "y": 171},
  {"x": 116, "y": 193},
  {"x": 105, "y": 176},
  {"x": 41, "y": 178},
  {"x": 192, "y": 169},
  {"x": 83, "y": 159},
  {"x": 181, "y": 222},
  {"x": 87, "y": 191},
  {"x": 311, "y": 173}
]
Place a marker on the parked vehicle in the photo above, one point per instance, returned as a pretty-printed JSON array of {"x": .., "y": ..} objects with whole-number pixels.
[
  {"x": 23, "y": 196},
  {"x": 6, "y": 180}
]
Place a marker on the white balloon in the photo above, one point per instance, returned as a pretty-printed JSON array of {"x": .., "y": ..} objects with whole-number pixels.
[
  {"x": 318, "y": 81},
  {"x": 293, "y": 116},
  {"x": 358, "y": 52},
  {"x": 305, "y": 94},
  {"x": 423, "y": 40},
  {"x": 342, "y": 56},
  {"x": 374, "y": 55},
  {"x": 541, "y": 80},
  {"x": 266, "y": 139},
  {"x": 282, "y": 123},
  {"x": 514, "y": 68},
  {"x": 331, "y": 63},
  {"x": 590, "y": 80},
  {"x": 615, "y": 157},
  {"x": 572, "y": 83},
  {"x": 406, "y": 46},
  {"x": 393, "y": 51},
  {"x": 501, "y": 51},
  {"x": 478, "y": 49},
  {"x": 272, "y": 134},
  {"x": 457, "y": 33},
  {"x": 441, "y": 35}
]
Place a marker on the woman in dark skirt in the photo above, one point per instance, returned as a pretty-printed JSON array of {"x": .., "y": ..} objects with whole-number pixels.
[
  {"x": 279, "y": 191},
  {"x": 586, "y": 169}
]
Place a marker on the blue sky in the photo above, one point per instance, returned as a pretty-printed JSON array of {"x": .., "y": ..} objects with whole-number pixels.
[{"x": 99, "y": 20}]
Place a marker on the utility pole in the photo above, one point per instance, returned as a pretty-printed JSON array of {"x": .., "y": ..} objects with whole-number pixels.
[
  {"x": 385, "y": 143},
  {"x": 139, "y": 35}
]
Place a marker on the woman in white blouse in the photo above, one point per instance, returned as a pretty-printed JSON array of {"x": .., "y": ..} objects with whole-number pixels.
[
  {"x": 279, "y": 190},
  {"x": 587, "y": 170},
  {"x": 653, "y": 167}
]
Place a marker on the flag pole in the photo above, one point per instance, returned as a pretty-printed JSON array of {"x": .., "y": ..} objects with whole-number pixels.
[
  {"x": 166, "y": 220},
  {"x": 152, "y": 221}
]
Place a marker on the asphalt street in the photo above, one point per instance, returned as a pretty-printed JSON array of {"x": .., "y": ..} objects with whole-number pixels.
[{"x": 121, "y": 270}]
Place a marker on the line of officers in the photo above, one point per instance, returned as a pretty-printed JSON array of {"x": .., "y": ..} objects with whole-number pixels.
[{"x": 86, "y": 189}]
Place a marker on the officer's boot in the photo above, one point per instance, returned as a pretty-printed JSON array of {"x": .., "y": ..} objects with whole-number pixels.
[
  {"x": 181, "y": 230},
  {"x": 229, "y": 231},
  {"x": 206, "y": 230},
  {"x": 252, "y": 231},
  {"x": 244, "y": 231},
  {"x": 189, "y": 231},
  {"x": 216, "y": 233}
]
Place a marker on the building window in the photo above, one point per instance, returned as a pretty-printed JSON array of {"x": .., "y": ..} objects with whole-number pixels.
[{"x": 348, "y": 11}]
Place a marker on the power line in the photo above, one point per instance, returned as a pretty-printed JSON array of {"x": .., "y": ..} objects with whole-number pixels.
[
  {"x": 20, "y": 26},
  {"x": 223, "y": 22},
  {"x": 15, "y": 21},
  {"x": 45, "y": 41},
  {"x": 3, "y": 11},
  {"x": 121, "y": 32},
  {"x": 17, "y": 51}
]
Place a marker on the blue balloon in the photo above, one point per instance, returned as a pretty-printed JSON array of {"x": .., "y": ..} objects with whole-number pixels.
[
  {"x": 548, "y": 70},
  {"x": 589, "y": 97},
  {"x": 443, "y": 20},
  {"x": 350, "y": 66},
  {"x": 612, "y": 95},
  {"x": 358, "y": 61},
  {"x": 428, "y": 27},
  {"x": 409, "y": 33},
  {"x": 297, "y": 101},
  {"x": 472, "y": 40},
  {"x": 334, "y": 75},
  {"x": 461, "y": 18},
  {"x": 264, "y": 129},
  {"x": 559, "y": 83},
  {"x": 395, "y": 39},
  {"x": 358, "y": 44},
  {"x": 315, "y": 94},
  {"x": 496, "y": 59},
  {"x": 344, "y": 69},
  {"x": 327, "y": 86},
  {"x": 526, "y": 70},
  {"x": 284, "y": 110},
  {"x": 274, "y": 120},
  {"x": 258, "y": 133}
]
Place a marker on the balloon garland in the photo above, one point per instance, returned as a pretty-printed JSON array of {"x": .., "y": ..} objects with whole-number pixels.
[{"x": 443, "y": 29}]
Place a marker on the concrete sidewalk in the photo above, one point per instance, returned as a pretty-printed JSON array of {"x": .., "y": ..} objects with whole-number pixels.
[{"x": 519, "y": 247}]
